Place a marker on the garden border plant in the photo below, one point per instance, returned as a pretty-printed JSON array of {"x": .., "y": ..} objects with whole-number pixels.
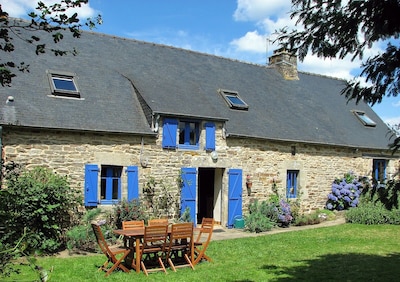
[
  {"x": 265, "y": 215},
  {"x": 42, "y": 202},
  {"x": 379, "y": 204}
]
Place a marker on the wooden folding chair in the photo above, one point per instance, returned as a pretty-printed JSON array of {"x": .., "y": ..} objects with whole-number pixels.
[
  {"x": 181, "y": 240},
  {"x": 158, "y": 221},
  {"x": 110, "y": 253},
  {"x": 203, "y": 240},
  {"x": 154, "y": 241},
  {"x": 131, "y": 224}
]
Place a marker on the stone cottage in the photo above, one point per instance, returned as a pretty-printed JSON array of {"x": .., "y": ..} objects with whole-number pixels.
[{"x": 124, "y": 117}]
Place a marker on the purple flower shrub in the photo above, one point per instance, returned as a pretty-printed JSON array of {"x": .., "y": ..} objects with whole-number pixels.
[
  {"x": 284, "y": 213},
  {"x": 345, "y": 192}
]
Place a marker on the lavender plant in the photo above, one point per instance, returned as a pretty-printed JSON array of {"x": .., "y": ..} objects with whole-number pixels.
[
  {"x": 284, "y": 213},
  {"x": 345, "y": 192}
]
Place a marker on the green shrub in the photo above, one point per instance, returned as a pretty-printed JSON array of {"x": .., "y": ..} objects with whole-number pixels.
[
  {"x": 7, "y": 254},
  {"x": 308, "y": 219},
  {"x": 257, "y": 222},
  {"x": 378, "y": 205},
  {"x": 81, "y": 236},
  {"x": 43, "y": 203},
  {"x": 394, "y": 217},
  {"x": 372, "y": 213},
  {"x": 257, "y": 219}
]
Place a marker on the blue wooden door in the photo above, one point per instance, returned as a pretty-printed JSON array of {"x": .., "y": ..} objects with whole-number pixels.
[
  {"x": 188, "y": 192},
  {"x": 91, "y": 185},
  {"x": 234, "y": 196}
]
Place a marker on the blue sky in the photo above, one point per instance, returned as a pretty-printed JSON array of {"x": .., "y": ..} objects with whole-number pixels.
[{"x": 236, "y": 29}]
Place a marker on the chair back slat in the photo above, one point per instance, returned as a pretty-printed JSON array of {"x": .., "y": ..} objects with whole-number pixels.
[
  {"x": 182, "y": 231},
  {"x": 132, "y": 224},
  {"x": 155, "y": 233},
  {"x": 206, "y": 230},
  {"x": 158, "y": 221}
]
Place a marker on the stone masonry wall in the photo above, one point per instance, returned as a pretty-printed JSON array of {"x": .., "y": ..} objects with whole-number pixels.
[{"x": 265, "y": 161}]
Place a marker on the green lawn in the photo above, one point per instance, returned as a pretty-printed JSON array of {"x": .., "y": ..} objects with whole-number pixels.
[{"x": 347, "y": 252}]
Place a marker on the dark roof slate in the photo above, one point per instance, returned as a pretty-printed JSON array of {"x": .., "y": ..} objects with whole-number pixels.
[{"x": 185, "y": 83}]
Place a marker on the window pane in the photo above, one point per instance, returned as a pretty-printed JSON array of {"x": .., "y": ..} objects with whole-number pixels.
[
  {"x": 110, "y": 182},
  {"x": 103, "y": 188},
  {"x": 291, "y": 185},
  {"x": 64, "y": 84},
  {"x": 193, "y": 134},
  {"x": 182, "y": 132},
  {"x": 235, "y": 100},
  {"x": 379, "y": 168},
  {"x": 115, "y": 189},
  {"x": 366, "y": 120}
]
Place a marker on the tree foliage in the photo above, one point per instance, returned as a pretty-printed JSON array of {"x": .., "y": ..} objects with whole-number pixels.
[
  {"x": 53, "y": 19},
  {"x": 337, "y": 28}
]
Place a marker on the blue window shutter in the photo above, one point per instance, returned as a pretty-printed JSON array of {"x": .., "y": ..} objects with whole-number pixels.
[
  {"x": 210, "y": 136},
  {"x": 133, "y": 182},
  {"x": 234, "y": 196},
  {"x": 91, "y": 185},
  {"x": 188, "y": 192},
  {"x": 170, "y": 128}
]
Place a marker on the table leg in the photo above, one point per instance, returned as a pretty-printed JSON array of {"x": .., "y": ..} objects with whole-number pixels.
[{"x": 137, "y": 250}]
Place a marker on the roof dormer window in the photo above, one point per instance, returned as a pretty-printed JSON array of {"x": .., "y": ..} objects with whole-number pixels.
[
  {"x": 366, "y": 120},
  {"x": 233, "y": 100},
  {"x": 63, "y": 84}
]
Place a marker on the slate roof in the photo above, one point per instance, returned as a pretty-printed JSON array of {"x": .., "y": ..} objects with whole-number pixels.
[{"x": 185, "y": 83}]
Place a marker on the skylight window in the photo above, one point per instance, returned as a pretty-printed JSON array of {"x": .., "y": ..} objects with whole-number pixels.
[
  {"x": 63, "y": 84},
  {"x": 366, "y": 120},
  {"x": 233, "y": 100}
]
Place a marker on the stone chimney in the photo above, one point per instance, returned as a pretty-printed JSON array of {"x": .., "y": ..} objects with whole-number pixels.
[{"x": 285, "y": 63}]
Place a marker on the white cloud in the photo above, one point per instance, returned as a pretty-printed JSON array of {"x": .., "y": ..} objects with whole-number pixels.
[
  {"x": 20, "y": 8},
  {"x": 256, "y": 10},
  {"x": 397, "y": 104},
  {"x": 393, "y": 121},
  {"x": 252, "y": 41},
  {"x": 271, "y": 16},
  {"x": 330, "y": 67}
]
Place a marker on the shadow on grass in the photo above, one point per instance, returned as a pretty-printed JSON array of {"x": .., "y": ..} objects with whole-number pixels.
[{"x": 341, "y": 267}]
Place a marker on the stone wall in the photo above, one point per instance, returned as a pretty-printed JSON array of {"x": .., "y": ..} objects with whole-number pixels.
[{"x": 265, "y": 161}]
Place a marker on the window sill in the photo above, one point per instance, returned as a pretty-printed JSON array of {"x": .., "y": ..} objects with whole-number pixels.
[{"x": 189, "y": 147}]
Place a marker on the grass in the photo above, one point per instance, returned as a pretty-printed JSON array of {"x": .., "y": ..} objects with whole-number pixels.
[{"x": 348, "y": 252}]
